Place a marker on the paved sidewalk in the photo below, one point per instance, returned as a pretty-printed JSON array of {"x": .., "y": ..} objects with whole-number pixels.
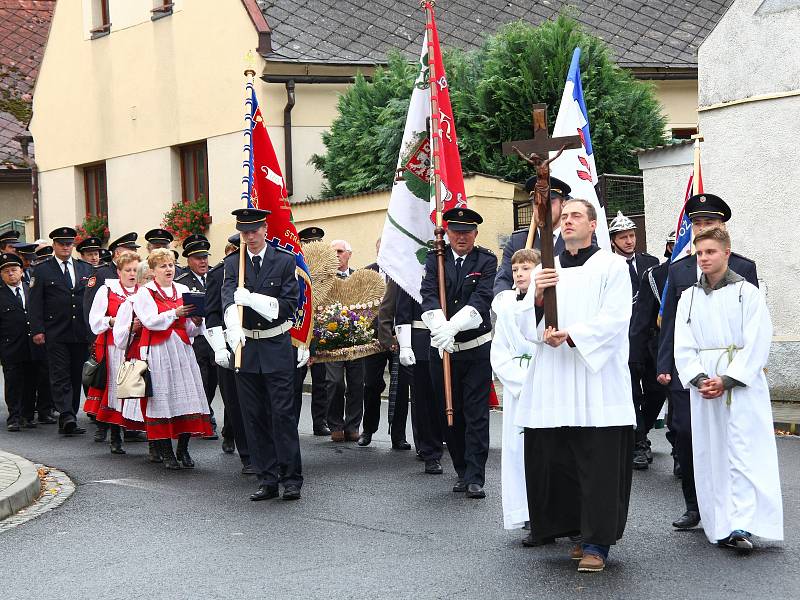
[{"x": 19, "y": 484}]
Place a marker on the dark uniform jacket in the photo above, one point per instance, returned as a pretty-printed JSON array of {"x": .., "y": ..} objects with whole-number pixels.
[
  {"x": 643, "y": 262},
  {"x": 505, "y": 278},
  {"x": 474, "y": 287},
  {"x": 277, "y": 279},
  {"x": 683, "y": 275},
  {"x": 16, "y": 339},
  {"x": 644, "y": 320},
  {"x": 190, "y": 280},
  {"x": 214, "y": 295},
  {"x": 407, "y": 312},
  {"x": 56, "y": 310},
  {"x": 101, "y": 273}
]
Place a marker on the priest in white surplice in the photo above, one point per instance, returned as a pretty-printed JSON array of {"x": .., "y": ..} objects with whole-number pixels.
[
  {"x": 576, "y": 404},
  {"x": 511, "y": 356},
  {"x": 722, "y": 339}
]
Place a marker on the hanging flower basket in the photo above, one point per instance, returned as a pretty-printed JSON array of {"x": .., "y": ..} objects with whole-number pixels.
[
  {"x": 92, "y": 226},
  {"x": 187, "y": 218}
]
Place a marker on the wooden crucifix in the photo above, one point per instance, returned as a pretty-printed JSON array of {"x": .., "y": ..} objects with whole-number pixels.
[{"x": 536, "y": 152}]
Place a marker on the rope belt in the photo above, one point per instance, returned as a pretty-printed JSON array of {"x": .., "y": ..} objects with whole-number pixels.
[
  {"x": 525, "y": 357},
  {"x": 478, "y": 341},
  {"x": 262, "y": 334},
  {"x": 729, "y": 352}
]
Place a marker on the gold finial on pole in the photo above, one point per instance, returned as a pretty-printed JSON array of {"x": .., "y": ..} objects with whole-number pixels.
[{"x": 250, "y": 64}]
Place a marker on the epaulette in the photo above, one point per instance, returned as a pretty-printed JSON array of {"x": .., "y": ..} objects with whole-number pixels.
[
  {"x": 681, "y": 259},
  {"x": 219, "y": 265},
  {"x": 744, "y": 258},
  {"x": 182, "y": 276},
  {"x": 650, "y": 255},
  {"x": 80, "y": 260},
  {"x": 521, "y": 230},
  {"x": 281, "y": 249},
  {"x": 484, "y": 250}
]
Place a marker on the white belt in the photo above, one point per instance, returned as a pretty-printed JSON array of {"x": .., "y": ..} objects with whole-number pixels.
[
  {"x": 478, "y": 341},
  {"x": 418, "y": 325},
  {"x": 262, "y": 334}
]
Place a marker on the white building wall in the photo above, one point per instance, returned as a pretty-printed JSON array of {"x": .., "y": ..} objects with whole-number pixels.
[{"x": 62, "y": 199}]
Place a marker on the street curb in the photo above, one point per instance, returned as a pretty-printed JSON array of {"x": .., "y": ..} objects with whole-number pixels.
[{"x": 24, "y": 491}]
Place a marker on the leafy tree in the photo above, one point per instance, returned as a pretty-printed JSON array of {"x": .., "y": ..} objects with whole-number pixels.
[{"x": 492, "y": 90}]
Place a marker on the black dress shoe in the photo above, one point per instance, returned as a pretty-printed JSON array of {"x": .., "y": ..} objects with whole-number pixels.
[
  {"x": 529, "y": 541},
  {"x": 640, "y": 462},
  {"x": 265, "y": 492},
  {"x": 27, "y": 424},
  {"x": 71, "y": 428},
  {"x": 419, "y": 456},
  {"x": 365, "y": 439},
  {"x": 249, "y": 470},
  {"x": 691, "y": 518},
  {"x": 322, "y": 431},
  {"x": 401, "y": 445},
  {"x": 475, "y": 491},
  {"x": 228, "y": 445},
  {"x": 433, "y": 467},
  {"x": 291, "y": 492},
  {"x": 47, "y": 420},
  {"x": 13, "y": 426},
  {"x": 460, "y": 487}
]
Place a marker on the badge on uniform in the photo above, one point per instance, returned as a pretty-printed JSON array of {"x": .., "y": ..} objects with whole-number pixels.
[
  {"x": 32, "y": 281},
  {"x": 91, "y": 282}
]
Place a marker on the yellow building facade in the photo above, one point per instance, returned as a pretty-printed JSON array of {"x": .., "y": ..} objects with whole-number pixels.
[{"x": 124, "y": 98}]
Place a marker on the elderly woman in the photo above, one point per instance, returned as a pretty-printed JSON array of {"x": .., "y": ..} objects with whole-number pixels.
[
  {"x": 102, "y": 403},
  {"x": 178, "y": 407}
]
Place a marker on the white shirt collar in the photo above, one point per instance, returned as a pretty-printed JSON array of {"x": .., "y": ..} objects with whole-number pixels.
[
  {"x": 260, "y": 254},
  {"x": 456, "y": 256},
  {"x": 14, "y": 288}
]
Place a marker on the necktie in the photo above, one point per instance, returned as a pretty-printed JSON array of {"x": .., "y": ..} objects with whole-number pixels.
[
  {"x": 257, "y": 264},
  {"x": 67, "y": 276},
  {"x": 634, "y": 276},
  {"x": 19, "y": 298},
  {"x": 342, "y": 274},
  {"x": 459, "y": 264},
  {"x": 203, "y": 280}
]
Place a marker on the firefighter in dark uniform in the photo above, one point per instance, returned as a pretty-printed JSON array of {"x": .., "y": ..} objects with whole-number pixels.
[
  {"x": 7, "y": 240},
  {"x": 465, "y": 333},
  {"x": 105, "y": 257},
  {"x": 644, "y": 330},
  {"x": 57, "y": 322},
  {"x": 266, "y": 378},
  {"x": 196, "y": 251},
  {"x": 233, "y": 434},
  {"x": 21, "y": 358},
  {"x": 42, "y": 254},
  {"x": 559, "y": 191},
  {"x": 704, "y": 211},
  {"x": 414, "y": 342},
  {"x": 319, "y": 397},
  {"x": 89, "y": 250},
  {"x": 648, "y": 395}
]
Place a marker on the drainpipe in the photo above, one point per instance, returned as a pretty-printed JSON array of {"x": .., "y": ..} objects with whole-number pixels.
[
  {"x": 287, "y": 136},
  {"x": 25, "y": 141}
]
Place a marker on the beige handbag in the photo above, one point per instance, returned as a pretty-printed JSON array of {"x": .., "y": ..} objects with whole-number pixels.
[{"x": 133, "y": 376}]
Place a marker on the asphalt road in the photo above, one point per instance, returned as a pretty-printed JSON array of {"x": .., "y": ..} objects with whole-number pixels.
[{"x": 370, "y": 525}]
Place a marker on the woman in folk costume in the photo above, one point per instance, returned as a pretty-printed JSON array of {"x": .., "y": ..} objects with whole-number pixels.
[
  {"x": 178, "y": 407},
  {"x": 511, "y": 355},
  {"x": 103, "y": 403},
  {"x": 723, "y": 335}
]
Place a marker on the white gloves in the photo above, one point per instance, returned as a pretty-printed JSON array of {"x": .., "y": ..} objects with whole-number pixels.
[
  {"x": 266, "y": 306},
  {"x": 303, "y": 354},
  {"x": 434, "y": 319},
  {"x": 403, "y": 333},
  {"x": 216, "y": 339},
  {"x": 234, "y": 334},
  {"x": 443, "y": 337}
]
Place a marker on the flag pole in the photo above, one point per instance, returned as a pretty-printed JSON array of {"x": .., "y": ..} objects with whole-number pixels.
[
  {"x": 247, "y": 156},
  {"x": 697, "y": 183},
  {"x": 438, "y": 232}
]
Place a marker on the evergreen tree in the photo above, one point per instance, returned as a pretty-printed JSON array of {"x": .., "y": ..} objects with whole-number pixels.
[{"x": 492, "y": 90}]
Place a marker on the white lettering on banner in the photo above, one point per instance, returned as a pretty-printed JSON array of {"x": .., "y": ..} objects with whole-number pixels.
[{"x": 272, "y": 176}]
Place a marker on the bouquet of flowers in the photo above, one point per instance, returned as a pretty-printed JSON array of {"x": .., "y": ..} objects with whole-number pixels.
[
  {"x": 344, "y": 332},
  {"x": 186, "y": 218},
  {"x": 92, "y": 226}
]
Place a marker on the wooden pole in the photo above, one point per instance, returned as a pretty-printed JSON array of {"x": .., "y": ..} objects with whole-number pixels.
[
  {"x": 247, "y": 153},
  {"x": 439, "y": 230},
  {"x": 696, "y": 180}
]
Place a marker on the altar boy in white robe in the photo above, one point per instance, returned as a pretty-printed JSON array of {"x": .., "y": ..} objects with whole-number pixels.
[
  {"x": 511, "y": 356},
  {"x": 575, "y": 403},
  {"x": 722, "y": 339}
]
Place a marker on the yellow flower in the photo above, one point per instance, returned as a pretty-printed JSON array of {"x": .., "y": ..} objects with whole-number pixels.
[{"x": 333, "y": 326}]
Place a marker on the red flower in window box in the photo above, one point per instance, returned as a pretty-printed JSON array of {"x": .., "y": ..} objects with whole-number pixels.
[
  {"x": 186, "y": 218},
  {"x": 92, "y": 226}
]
